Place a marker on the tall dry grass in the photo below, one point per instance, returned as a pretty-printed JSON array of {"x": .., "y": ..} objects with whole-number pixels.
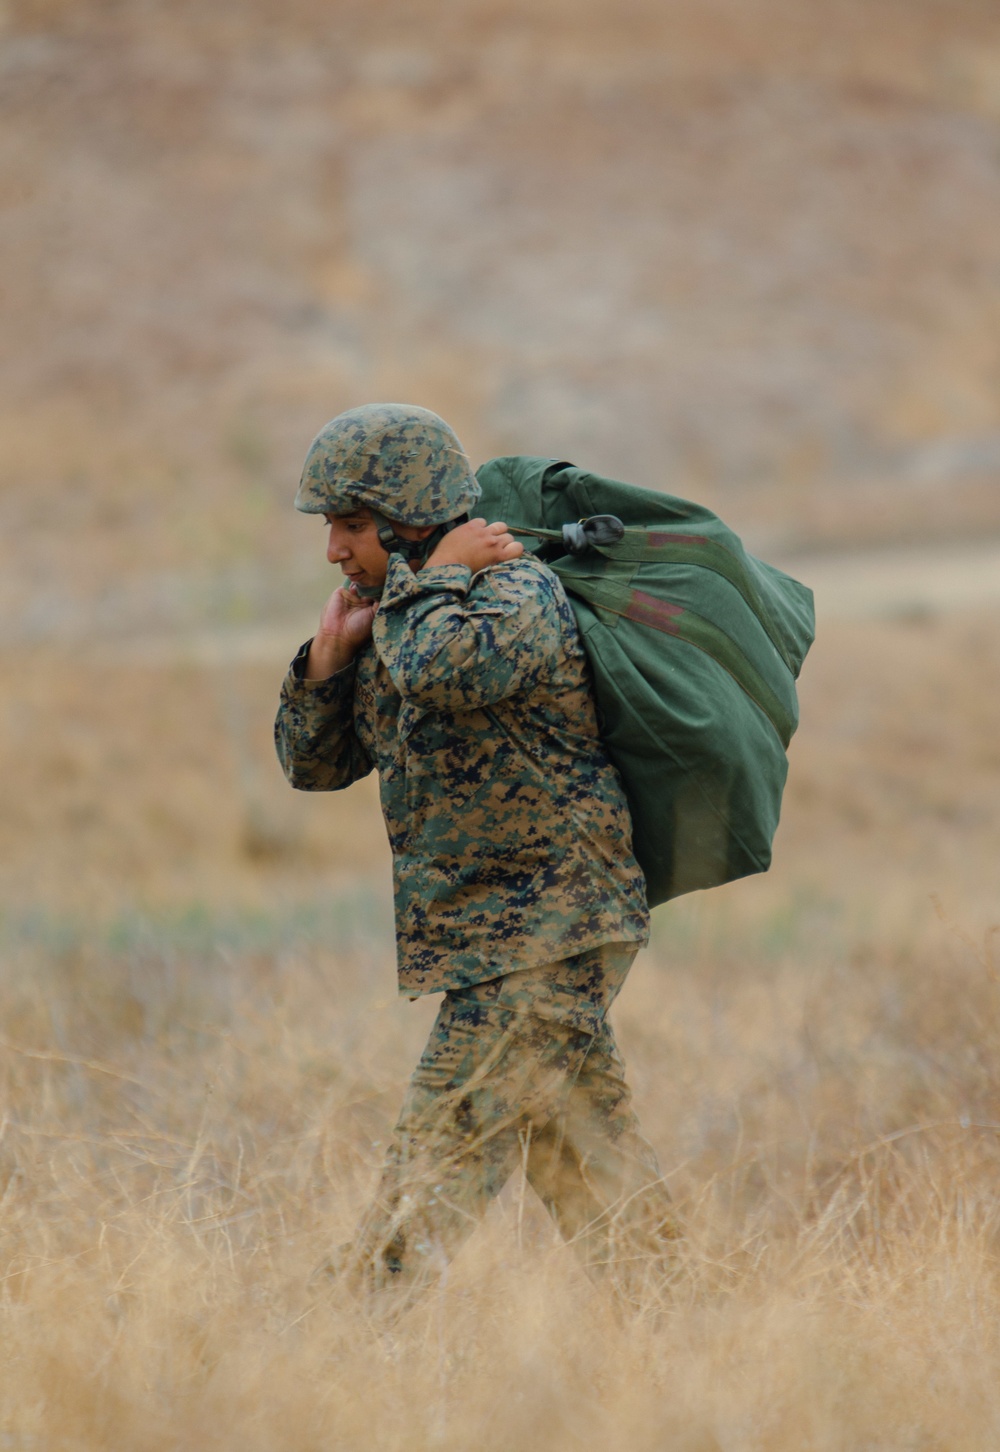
[{"x": 192, "y": 1117}]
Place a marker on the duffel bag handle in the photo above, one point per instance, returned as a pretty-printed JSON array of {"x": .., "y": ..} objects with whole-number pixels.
[{"x": 577, "y": 539}]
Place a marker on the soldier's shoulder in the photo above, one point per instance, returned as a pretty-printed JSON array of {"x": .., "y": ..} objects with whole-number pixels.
[
  {"x": 526, "y": 575},
  {"x": 529, "y": 589}
]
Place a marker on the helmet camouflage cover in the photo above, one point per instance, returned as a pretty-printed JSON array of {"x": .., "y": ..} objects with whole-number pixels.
[{"x": 404, "y": 462}]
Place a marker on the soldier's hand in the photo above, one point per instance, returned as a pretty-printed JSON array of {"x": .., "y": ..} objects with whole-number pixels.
[
  {"x": 345, "y": 625},
  {"x": 477, "y": 544}
]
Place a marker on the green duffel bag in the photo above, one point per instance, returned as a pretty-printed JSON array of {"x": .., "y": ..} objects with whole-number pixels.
[{"x": 695, "y": 647}]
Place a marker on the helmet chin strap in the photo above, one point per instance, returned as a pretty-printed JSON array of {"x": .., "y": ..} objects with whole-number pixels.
[
  {"x": 367, "y": 592},
  {"x": 414, "y": 551}
]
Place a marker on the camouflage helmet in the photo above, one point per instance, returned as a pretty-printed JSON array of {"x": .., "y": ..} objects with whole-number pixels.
[{"x": 403, "y": 462}]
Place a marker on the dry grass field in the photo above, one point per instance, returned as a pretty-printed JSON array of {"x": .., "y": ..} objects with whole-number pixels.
[
  {"x": 195, "y": 1108},
  {"x": 746, "y": 248},
  {"x": 202, "y": 1054}
]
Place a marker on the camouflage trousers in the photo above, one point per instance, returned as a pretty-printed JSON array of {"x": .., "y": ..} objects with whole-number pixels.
[{"x": 523, "y": 1071}]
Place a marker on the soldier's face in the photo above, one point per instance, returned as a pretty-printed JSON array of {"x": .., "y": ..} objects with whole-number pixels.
[{"x": 354, "y": 546}]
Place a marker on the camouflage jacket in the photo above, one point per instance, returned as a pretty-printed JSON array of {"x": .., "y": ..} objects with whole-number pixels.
[{"x": 510, "y": 834}]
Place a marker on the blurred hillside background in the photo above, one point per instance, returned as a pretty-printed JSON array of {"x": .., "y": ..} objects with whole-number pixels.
[{"x": 747, "y": 250}]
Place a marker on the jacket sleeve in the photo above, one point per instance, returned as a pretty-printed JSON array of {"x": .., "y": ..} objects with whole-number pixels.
[
  {"x": 314, "y": 730},
  {"x": 453, "y": 641}
]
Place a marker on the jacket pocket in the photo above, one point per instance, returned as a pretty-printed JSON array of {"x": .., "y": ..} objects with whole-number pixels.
[{"x": 410, "y": 716}]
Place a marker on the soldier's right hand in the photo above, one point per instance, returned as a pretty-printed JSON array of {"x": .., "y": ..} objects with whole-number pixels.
[{"x": 345, "y": 625}]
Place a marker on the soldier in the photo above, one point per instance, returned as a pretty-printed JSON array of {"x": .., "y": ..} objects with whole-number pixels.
[{"x": 451, "y": 663}]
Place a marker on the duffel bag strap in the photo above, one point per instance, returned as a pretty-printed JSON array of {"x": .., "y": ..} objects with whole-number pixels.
[
  {"x": 596, "y": 532},
  {"x": 606, "y": 534},
  {"x": 640, "y": 545},
  {"x": 685, "y": 625}
]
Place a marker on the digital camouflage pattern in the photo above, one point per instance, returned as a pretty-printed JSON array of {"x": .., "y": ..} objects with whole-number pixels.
[
  {"x": 517, "y": 1072},
  {"x": 510, "y": 834},
  {"x": 403, "y": 461}
]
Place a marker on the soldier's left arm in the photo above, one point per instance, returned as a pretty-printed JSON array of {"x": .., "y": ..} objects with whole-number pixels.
[{"x": 456, "y": 641}]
